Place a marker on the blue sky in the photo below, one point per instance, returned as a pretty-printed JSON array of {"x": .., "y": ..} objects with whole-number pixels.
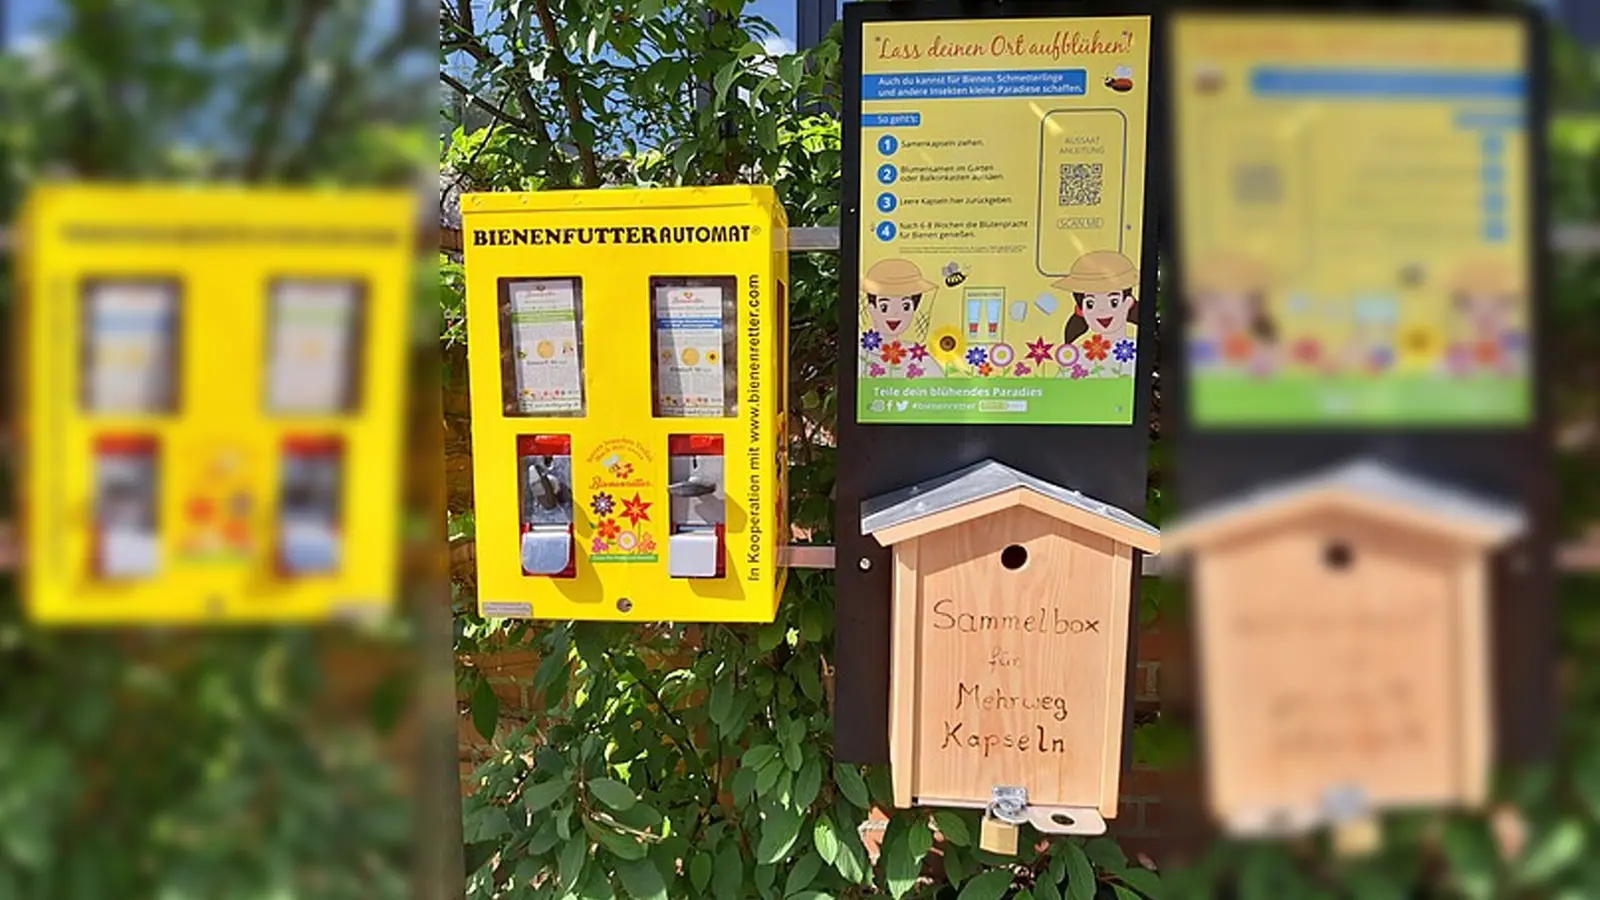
[{"x": 22, "y": 16}]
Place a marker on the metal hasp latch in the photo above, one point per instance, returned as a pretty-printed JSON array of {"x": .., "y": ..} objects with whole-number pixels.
[
  {"x": 698, "y": 494},
  {"x": 1344, "y": 808},
  {"x": 547, "y": 515},
  {"x": 1008, "y": 809}
]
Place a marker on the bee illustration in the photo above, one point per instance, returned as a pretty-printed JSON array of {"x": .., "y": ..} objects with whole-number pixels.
[
  {"x": 953, "y": 275},
  {"x": 1120, "y": 79}
]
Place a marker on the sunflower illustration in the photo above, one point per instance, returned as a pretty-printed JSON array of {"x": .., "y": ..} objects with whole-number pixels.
[
  {"x": 946, "y": 345},
  {"x": 1421, "y": 347}
]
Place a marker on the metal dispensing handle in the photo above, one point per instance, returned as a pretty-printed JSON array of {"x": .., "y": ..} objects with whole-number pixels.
[{"x": 551, "y": 491}]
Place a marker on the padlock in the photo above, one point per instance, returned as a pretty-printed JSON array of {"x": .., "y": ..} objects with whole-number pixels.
[
  {"x": 1356, "y": 837},
  {"x": 997, "y": 837}
]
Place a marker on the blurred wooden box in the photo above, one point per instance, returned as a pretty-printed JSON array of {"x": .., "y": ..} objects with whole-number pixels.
[
  {"x": 1011, "y": 607},
  {"x": 1342, "y": 626}
]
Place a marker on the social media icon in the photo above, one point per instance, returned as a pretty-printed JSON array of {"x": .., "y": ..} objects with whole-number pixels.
[
  {"x": 888, "y": 144},
  {"x": 887, "y": 202},
  {"x": 886, "y": 231},
  {"x": 887, "y": 174}
]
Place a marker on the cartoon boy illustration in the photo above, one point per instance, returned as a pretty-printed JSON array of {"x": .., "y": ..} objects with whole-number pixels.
[
  {"x": 1487, "y": 305},
  {"x": 1102, "y": 325},
  {"x": 1230, "y": 325},
  {"x": 897, "y": 301}
]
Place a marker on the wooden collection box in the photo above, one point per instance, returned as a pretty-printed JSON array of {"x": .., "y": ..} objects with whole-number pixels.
[
  {"x": 1011, "y": 606},
  {"x": 1342, "y": 626}
]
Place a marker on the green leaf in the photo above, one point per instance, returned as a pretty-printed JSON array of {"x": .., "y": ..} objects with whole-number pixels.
[
  {"x": 1471, "y": 853},
  {"x": 1081, "y": 883},
  {"x": 804, "y": 872},
  {"x": 851, "y": 785},
  {"x": 790, "y": 68},
  {"x": 622, "y": 846},
  {"x": 1552, "y": 853},
  {"x": 728, "y": 880},
  {"x": 722, "y": 692},
  {"x": 1123, "y": 893},
  {"x": 779, "y": 830},
  {"x": 953, "y": 827},
  {"x": 759, "y": 757},
  {"x": 1104, "y": 853},
  {"x": 991, "y": 885},
  {"x": 475, "y": 855},
  {"x": 613, "y": 793},
  {"x": 569, "y": 864},
  {"x": 642, "y": 880},
  {"x": 485, "y": 709},
  {"x": 903, "y": 853},
  {"x": 809, "y": 783},
  {"x": 1143, "y": 880},
  {"x": 724, "y": 80},
  {"x": 680, "y": 164},
  {"x": 826, "y": 839},
  {"x": 852, "y": 859},
  {"x": 700, "y": 872}
]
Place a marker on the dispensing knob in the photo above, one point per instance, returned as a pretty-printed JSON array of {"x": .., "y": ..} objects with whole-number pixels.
[{"x": 549, "y": 491}]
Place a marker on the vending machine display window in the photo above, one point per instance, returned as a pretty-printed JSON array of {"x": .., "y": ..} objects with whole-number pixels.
[
  {"x": 309, "y": 507},
  {"x": 130, "y": 347},
  {"x": 541, "y": 346},
  {"x": 314, "y": 345},
  {"x": 126, "y": 513},
  {"x": 694, "y": 346}
]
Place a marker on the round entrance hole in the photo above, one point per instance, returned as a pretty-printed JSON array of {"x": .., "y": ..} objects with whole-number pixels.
[
  {"x": 1014, "y": 557},
  {"x": 1338, "y": 556}
]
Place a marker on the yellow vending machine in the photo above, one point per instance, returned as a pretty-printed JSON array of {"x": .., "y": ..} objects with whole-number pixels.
[
  {"x": 211, "y": 393},
  {"x": 629, "y": 399}
]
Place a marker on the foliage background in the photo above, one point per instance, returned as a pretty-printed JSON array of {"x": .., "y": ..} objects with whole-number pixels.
[
  {"x": 689, "y": 761},
  {"x": 249, "y": 765}
]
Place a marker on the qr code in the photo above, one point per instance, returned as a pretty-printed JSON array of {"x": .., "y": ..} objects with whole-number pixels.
[
  {"x": 1080, "y": 184},
  {"x": 1257, "y": 183}
]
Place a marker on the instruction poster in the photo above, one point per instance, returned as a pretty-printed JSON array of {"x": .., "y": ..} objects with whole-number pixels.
[
  {"x": 1353, "y": 201},
  {"x": 1002, "y": 187}
]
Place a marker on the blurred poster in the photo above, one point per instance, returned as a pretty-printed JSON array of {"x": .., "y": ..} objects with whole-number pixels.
[
  {"x": 314, "y": 343},
  {"x": 131, "y": 349},
  {"x": 1353, "y": 196}
]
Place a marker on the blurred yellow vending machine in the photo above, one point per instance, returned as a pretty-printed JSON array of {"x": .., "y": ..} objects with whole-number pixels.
[{"x": 210, "y": 398}]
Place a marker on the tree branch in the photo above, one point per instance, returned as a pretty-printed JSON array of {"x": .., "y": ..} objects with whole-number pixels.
[
  {"x": 569, "y": 94},
  {"x": 466, "y": 39},
  {"x": 281, "y": 89},
  {"x": 494, "y": 111}
]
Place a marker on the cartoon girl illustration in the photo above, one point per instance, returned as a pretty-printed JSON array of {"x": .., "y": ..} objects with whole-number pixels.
[
  {"x": 1371, "y": 350},
  {"x": 896, "y": 305},
  {"x": 1230, "y": 324},
  {"x": 1488, "y": 333},
  {"x": 1105, "y": 310}
]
